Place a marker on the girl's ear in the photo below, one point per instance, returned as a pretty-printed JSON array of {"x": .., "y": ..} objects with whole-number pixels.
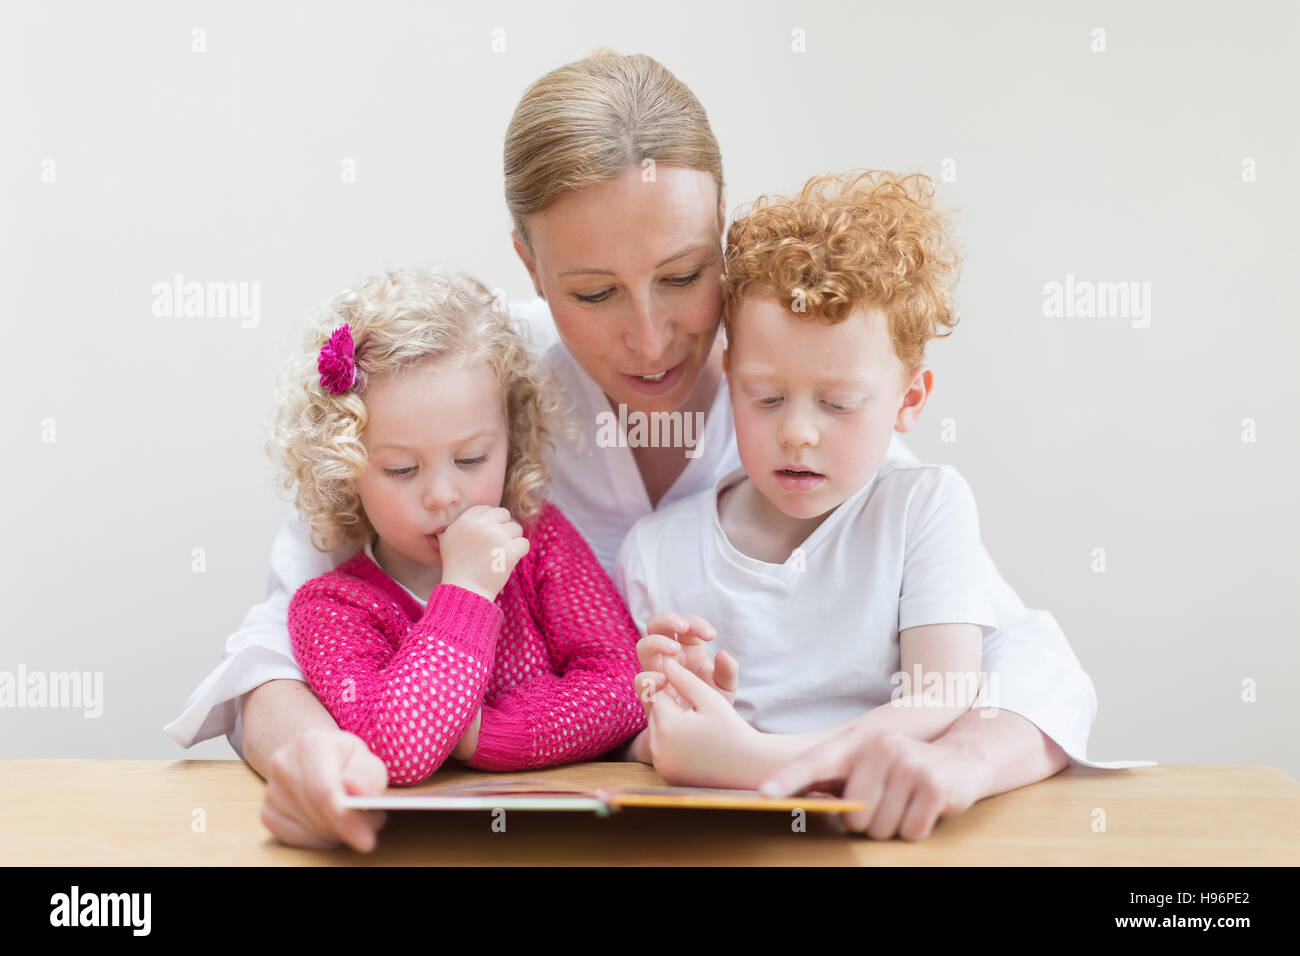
[
  {"x": 914, "y": 398},
  {"x": 526, "y": 257}
]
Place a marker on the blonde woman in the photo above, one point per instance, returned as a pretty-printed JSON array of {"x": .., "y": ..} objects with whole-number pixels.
[{"x": 614, "y": 182}]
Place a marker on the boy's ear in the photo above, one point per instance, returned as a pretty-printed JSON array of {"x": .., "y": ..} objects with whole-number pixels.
[
  {"x": 914, "y": 398},
  {"x": 526, "y": 257}
]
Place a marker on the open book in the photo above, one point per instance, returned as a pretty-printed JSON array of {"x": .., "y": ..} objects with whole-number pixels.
[{"x": 599, "y": 788}]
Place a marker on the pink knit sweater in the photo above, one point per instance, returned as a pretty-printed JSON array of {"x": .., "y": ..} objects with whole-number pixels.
[{"x": 550, "y": 662}]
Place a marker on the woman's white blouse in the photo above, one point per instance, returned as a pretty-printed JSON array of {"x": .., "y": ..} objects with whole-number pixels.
[{"x": 601, "y": 492}]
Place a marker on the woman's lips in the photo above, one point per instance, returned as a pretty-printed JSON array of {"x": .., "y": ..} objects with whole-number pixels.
[
  {"x": 798, "y": 482},
  {"x": 665, "y": 384}
]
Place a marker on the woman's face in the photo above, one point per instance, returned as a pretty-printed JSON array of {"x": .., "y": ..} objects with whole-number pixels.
[{"x": 630, "y": 270}]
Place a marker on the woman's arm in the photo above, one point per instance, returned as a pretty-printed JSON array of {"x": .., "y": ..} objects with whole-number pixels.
[{"x": 274, "y": 714}]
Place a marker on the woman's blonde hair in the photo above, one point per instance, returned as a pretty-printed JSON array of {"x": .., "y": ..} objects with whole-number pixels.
[
  {"x": 402, "y": 320},
  {"x": 588, "y": 121},
  {"x": 869, "y": 238}
]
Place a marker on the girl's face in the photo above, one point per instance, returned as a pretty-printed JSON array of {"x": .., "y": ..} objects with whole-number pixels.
[
  {"x": 630, "y": 270},
  {"x": 436, "y": 440}
]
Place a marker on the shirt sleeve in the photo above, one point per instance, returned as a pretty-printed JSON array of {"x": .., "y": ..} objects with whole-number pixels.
[
  {"x": 943, "y": 580},
  {"x": 412, "y": 702},
  {"x": 1030, "y": 669},
  {"x": 259, "y": 651},
  {"x": 587, "y": 705}
]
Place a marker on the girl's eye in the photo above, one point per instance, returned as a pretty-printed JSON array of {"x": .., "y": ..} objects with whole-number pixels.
[
  {"x": 680, "y": 281},
  {"x": 398, "y": 472},
  {"x": 472, "y": 461},
  {"x": 768, "y": 402},
  {"x": 598, "y": 297},
  {"x": 840, "y": 408}
]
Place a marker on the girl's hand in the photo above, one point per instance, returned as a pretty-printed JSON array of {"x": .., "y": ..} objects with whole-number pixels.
[
  {"x": 681, "y": 637},
  {"x": 697, "y": 738},
  {"x": 480, "y": 549},
  {"x": 306, "y": 777}
]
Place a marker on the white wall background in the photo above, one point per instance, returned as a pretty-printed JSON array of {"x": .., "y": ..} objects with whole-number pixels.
[{"x": 1076, "y": 434}]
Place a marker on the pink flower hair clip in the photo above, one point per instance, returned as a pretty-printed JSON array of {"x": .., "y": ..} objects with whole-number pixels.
[{"x": 337, "y": 363}]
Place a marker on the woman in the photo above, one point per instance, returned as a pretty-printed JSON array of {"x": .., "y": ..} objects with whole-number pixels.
[{"x": 614, "y": 182}]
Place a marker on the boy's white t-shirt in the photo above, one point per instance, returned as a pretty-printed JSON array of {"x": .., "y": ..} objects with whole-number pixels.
[
  {"x": 817, "y": 636},
  {"x": 603, "y": 496}
]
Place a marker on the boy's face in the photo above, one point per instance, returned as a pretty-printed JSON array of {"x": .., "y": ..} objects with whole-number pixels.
[
  {"x": 436, "y": 442},
  {"x": 822, "y": 398}
]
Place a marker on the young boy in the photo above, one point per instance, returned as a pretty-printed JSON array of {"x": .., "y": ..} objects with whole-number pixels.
[{"x": 837, "y": 585}]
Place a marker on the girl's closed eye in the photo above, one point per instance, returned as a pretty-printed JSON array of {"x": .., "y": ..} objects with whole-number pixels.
[{"x": 464, "y": 462}]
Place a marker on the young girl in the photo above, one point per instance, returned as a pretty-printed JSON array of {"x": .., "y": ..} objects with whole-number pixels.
[{"x": 475, "y": 622}]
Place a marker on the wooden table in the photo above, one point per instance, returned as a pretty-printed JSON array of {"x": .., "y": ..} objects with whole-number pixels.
[{"x": 141, "y": 812}]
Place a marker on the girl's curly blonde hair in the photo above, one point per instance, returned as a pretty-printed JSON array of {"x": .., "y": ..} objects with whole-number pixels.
[
  {"x": 846, "y": 241},
  {"x": 401, "y": 320}
]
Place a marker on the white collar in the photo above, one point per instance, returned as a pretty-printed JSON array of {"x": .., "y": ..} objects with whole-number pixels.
[
  {"x": 792, "y": 567},
  {"x": 371, "y": 555}
]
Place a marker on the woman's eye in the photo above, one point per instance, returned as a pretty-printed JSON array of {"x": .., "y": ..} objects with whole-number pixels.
[
  {"x": 398, "y": 472},
  {"x": 680, "y": 281},
  {"x": 598, "y": 297},
  {"x": 472, "y": 461}
]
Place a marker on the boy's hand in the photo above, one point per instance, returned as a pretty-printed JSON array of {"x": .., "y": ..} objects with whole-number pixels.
[
  {"x": 480, "y": 549},
  {"x": 639, "y": 749},
  {"x": 696, "y": 736},
  {"x": 681, "y": 637}
]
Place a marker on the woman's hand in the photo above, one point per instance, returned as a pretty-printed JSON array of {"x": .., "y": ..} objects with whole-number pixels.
[
  {"x": 905, "y": 784},
  {"x": 681, "y": 637},
  {"x": 307, "y": 777}
]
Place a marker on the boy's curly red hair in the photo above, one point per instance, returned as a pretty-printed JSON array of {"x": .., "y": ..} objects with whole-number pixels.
[{"x": 846, "y": 241}]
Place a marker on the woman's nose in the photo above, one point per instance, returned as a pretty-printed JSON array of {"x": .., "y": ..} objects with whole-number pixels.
[{"x": 648, "y": 333}]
